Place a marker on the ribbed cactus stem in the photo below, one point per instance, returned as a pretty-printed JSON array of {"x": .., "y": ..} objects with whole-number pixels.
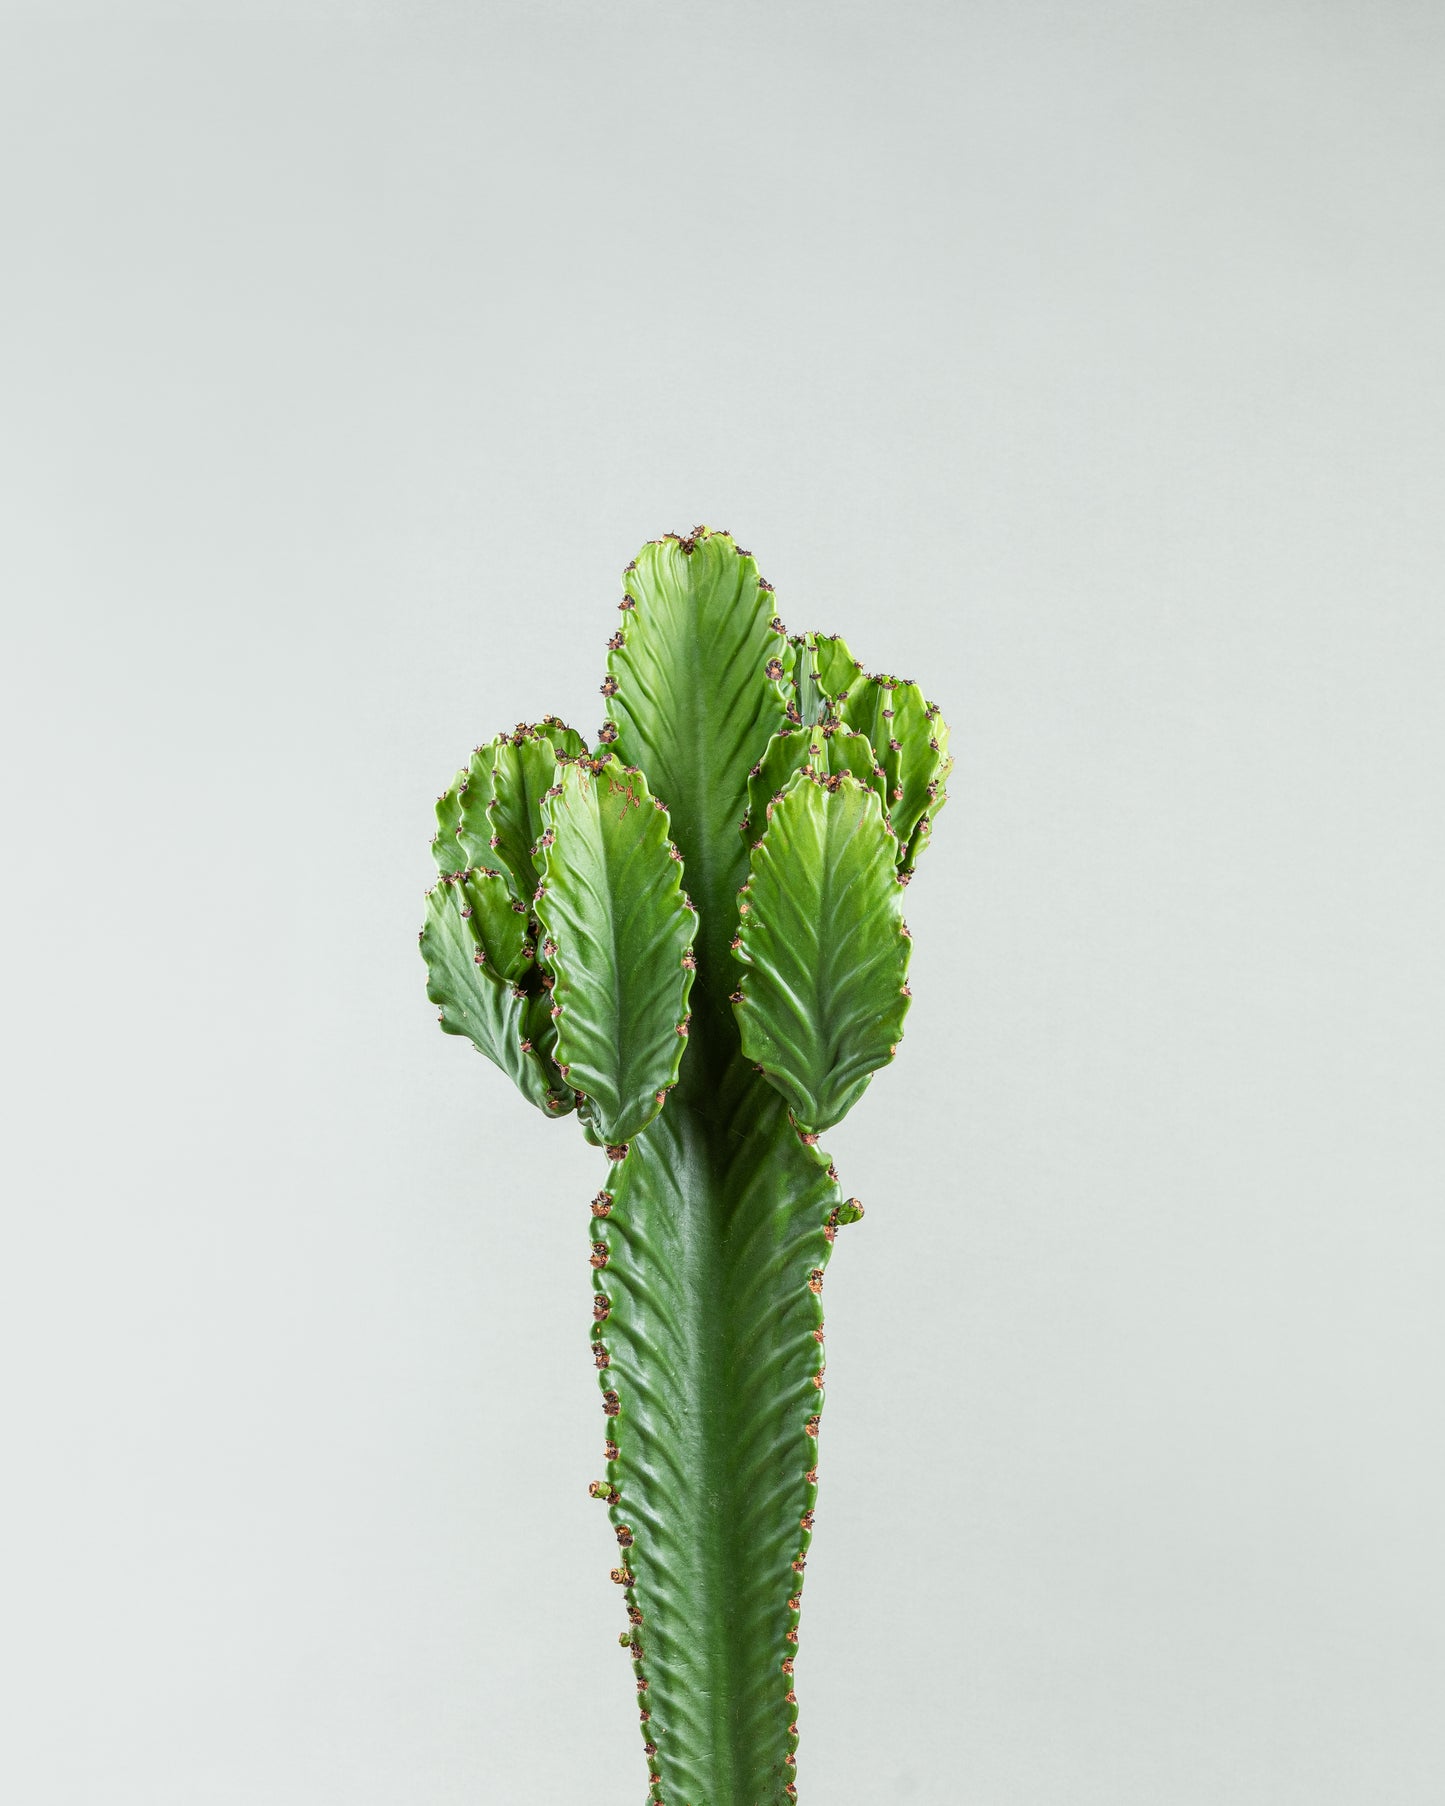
[
  {"x": 716, "y": 1230},
  {"x": 706, "y": 1036}
]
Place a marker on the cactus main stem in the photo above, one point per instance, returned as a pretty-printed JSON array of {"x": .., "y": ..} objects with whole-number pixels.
[{"x": 716, "y": 1243}]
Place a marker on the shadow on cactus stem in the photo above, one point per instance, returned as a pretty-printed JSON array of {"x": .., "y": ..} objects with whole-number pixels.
[{"x": 692, "y": 936}]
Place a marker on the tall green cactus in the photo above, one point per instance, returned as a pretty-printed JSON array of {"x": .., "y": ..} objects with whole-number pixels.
[{"x": 693, "y": 936}]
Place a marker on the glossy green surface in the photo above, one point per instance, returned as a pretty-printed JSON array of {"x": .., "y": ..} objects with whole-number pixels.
[
  {"x": 499, "y": 1019},
  {"x": 732, "y": 755},
  {"x": 823, "y": 951},
  {"x": 619, "y": 940}
]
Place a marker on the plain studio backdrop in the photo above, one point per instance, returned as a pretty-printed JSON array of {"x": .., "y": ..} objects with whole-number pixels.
[{"x": 1083, "y": 361}]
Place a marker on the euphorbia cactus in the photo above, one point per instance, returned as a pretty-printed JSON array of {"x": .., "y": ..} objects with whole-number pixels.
[{"x": 693, "y": 936}]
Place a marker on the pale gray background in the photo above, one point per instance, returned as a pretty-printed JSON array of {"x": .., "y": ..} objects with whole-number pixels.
[{"x": 1081, "y": 359}]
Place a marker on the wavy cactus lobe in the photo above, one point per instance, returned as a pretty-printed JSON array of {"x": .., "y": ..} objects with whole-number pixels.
[{"x": 692, "y": 936}]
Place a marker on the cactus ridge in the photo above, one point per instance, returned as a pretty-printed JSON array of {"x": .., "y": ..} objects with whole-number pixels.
[{"x": 692, "y": 936}]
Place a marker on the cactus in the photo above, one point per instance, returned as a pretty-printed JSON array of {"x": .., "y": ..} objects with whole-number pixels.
[{"x": 692, "y": 936}]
